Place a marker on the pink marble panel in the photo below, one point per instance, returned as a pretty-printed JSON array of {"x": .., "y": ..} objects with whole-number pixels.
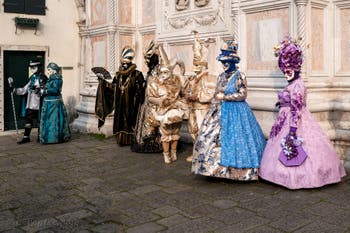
[
  {"x": 317, "y": 39},
  {"x": 99, "y": 51},
  {"x": 146, "y": 39},
  {"x": 148, "y": 9},
  {"x": 345, "y": 39},
  {"x": 265, "y": 29},
  {"x": 184, "y": 53},
  {"x": 125, "y": 11},
  {"x": 98, "y": 12}
]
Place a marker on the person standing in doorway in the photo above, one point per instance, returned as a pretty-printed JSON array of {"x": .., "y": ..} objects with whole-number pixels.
[{"x": 31, "y": 105}]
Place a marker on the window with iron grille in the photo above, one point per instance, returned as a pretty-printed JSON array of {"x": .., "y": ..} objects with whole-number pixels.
[{"x": 31, "y": 7}]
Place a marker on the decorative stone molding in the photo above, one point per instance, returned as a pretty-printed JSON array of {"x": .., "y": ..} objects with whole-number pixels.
[
  {"x": 202, "y": 20},
  {"x": 180, "y": 22},
  {"x": 205, "y": 20},
  {"x": 342, "y": 3},
  {"x": 181, "y": 5},
  {"x": 319, "y": 3},
  {"x": 258, "y": 5},
  {"x": 81, "y": 10}
]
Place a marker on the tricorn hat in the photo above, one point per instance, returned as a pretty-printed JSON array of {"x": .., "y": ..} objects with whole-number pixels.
[{"x": 34, "y": 63}]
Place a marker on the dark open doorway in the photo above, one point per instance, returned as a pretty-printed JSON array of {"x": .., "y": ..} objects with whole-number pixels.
[{"x": 16, "y": 66}]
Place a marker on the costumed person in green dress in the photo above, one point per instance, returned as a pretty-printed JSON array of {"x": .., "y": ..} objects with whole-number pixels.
[
  {"x": 124, "y": 94},
  {"x": 31, "y": 105},
  {"x": 147, "y": 135},
  {"x": 54, "y": 124}
]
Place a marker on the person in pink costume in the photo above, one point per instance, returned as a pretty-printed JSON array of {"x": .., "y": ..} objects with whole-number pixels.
[{"x": 298, "y": 153}]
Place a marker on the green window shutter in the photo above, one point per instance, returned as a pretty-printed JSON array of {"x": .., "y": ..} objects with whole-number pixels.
[
  {"x": 35, "y": 7},
  {"x": 14, "y": 6}
]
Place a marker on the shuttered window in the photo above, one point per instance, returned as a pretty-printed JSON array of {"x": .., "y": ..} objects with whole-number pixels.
[{"x": 31, "y": 7}]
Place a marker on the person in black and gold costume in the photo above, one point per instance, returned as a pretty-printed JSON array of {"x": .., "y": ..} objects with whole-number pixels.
[{"x": 127, "y": 90}]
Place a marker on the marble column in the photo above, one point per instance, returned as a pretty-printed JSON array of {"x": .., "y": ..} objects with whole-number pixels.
[{"x": 301, "y": 31}]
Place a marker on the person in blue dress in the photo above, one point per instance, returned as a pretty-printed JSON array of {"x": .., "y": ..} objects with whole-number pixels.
[
  {"x": 230, "y": 142},
  {"x": 54, "y": 124}
]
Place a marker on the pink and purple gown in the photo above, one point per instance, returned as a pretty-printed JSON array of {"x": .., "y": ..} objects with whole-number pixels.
[{"x": 321, "y": 167}]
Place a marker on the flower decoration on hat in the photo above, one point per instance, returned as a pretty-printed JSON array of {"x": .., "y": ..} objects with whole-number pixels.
[
  {"x": 229, "y": 52},
  {"x": 290, "y": 55}
]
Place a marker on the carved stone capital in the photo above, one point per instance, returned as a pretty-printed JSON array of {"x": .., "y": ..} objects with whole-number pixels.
[{"x": 81, "y": 10}]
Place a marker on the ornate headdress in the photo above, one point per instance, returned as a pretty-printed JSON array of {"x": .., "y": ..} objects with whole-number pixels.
[
  {"x": 164, "y": 60},
  {"x": 150, "y": 50},
  {"x": 127, "y": 54},
  {"x": 165, "y": 63},
  {"x": 290, "y": 55},
  {"x": 200, "y": 52},
  {"x": 229, "y": 52}
]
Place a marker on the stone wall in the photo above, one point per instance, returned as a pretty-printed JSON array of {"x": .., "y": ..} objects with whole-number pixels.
[{"x": 258, "y": 25}]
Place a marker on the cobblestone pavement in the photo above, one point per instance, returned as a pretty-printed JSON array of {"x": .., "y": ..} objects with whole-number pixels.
[{"x": 93, "y": 185}]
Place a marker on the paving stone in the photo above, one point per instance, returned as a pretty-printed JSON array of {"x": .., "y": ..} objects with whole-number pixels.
[
  {"x": 107, "y": 228},
  {"x": 321, "y": 227},
  {"x": 322, "y": 209},
  {"x": 173, "y": 220},
  {"x": 231, "y": 216},
  {"x": 263, "y": 229},
  {"x": 199, "y": 211},
  {"x": 8, "y": 224},
  {"x": 40, "y": 225},
  {"x": 73, "y": 216},
  {"x": 197, "y": 225},
  {"x": 146, "y": 228},
  {"x": 137, "y": 218},
  {"x": 339, "y": 217},
  {"x": 145, "y": 189},
  {"x": 6, "y": 215},
  {"x": 166, "y": 211},
  {"x": 13, "y": 231},
  {"x": 245, "y": 224},
  {"x": 291, "y": 222},
  {"x": 224, "y": 204}
]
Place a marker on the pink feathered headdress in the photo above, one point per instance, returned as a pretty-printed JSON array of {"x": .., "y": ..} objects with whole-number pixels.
[{"x": 289, "y": 55}]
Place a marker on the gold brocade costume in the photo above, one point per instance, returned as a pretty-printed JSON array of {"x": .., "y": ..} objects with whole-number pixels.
[
  {"x": 168, "y": 113},
  {"x": 203, "y": 91}
]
